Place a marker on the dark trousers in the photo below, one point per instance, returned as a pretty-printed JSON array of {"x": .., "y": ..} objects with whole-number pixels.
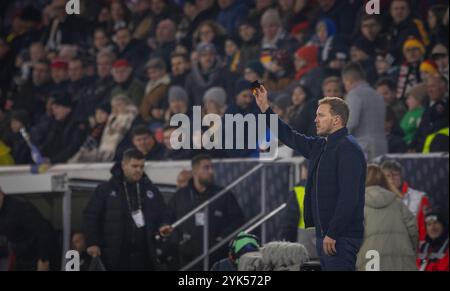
[{"x": 345, "y": 257}]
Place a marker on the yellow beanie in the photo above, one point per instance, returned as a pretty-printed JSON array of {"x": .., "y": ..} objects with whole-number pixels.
[
  {"x": 414, "y": 43},
  {"x": 430, "y": 67}
]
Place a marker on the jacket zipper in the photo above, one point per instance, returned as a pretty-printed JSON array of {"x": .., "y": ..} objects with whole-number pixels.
[{"x": 317, "y": 193}]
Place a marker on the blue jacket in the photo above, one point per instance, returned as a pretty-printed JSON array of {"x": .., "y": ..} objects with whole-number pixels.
[{"x": 338, "y": 167}]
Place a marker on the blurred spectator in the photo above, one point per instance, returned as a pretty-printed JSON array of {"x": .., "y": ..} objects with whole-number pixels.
[
  {"x": 433, "y": 253},
  {"x": 409, "y": 74},
  {"x": 172, "y": 154},
  {"x": 325, "y": 32},
  {"x": 64, "y": 28},
  {"x": 65, "y": 134},
  {"x": 60, "y": 77},
  {"x": 190, "y": 12},
  {"x": 394, "y": 133},
  {"x": 180, "y": 68},
  {"x": 371, "y": 33},
  {"x": 145, "y": 142},
  {"x": 432, "y": 134},
  {"x": 89, "y": 150},
  {"x": 280, "y": 73},
  {"x": 436, "y": 26},
  {"x": 333, "y": 87},
  {"x": 384, "y": 65},
  {"x": 101, "y": 42},
  {"x": 32, "y": 96},
  {"x": 225, "y": 214},
  {"x": 402, "y": 26},
  {"x": 30, "y": 235},
  {"x": 387, "y": 220},
  {"x": 156, "y": 88},
  {"x": 254, "y": 71},
  {"x": 141, "y": 21},
  {"x": 99, "y": 89},
  {"x": 306, "y": 60},
  {"x": 367, "y": 112},
  {"x": 6, "y": 67},
  {"x": 132, "y": 50},
  {"x": 341, "y": 12},
  {"x": 362, "y": 53},
  {"x": 274, "y": 36},
  {"x": 78, "y": 243},
  {"x": 411, "y": 120},
  {"x": 281, "y": 106},
  {"x": 79, "y": 82},
  {"x": 215, "y": 101},
  {"x": 122, "y": 231},
  {"x": 261, "y": 6},
  {"x": 387, "y": 88},
  {"x": 212, "y": 33},
  {"x": 206, "y": 73},
  {"x": 428, "y": 68},
  {"x": 299, "y": 98},
  {"x": 334, "y": 63},
  {"x": 178, "y": 103},
  {"x": 165, "y": 42},
  {"x": 440, "y": 55},
  {"x": 120, "y": 14},
  {"x": 233, "y": 55},
  {"x": 416, "y": 200},
  {"x": 231, "y": 12},
  {"x": 250, "y": 46},
  {"x": 119, "y": 122},
  {"x": 207, "y": 10},
  {"x": 126, "y": 84}
]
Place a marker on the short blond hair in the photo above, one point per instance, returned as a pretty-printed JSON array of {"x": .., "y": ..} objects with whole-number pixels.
[{"x": 338, "y": 107}]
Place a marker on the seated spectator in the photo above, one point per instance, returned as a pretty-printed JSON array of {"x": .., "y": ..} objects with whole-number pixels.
[
  {"x": 145, "y": 142},
  {"x": 387, "y": 88},
  {"x": 325, "y": 32},
  {"x": 250, "y": 42},
  {"x": 206, "y": 73},
  {"x": 132, "y": 50},
  {"x": 387, "y": 220},
  {"x": 180, "y": 69},
  {"x": 233, "y": 55},
  {"x": 254, "y": 71},
  {"x": 432, "y": 134},
  {"x": 409, "y": 74},
  {"x": 384, "y": 66},
  {"x": 416, "y": 201},
  {"x": 172, "y": 154},
  {"x": 65, "y": 133},
  {"x": 427, "y": 69},
  {"x": 274, "y": 36},
  {"x": 433, "y": 252},
  {"x": 126, "y": 84},
  {"x": 165, "y": 41},
  {"x": 60, "y": 77},
  {"x": 78, "y": 80},
  {"x": 89, "y": 150},
  {"x": 102, "y": 42},
  {"x": 119, "y": 122},
  {"x": 306, "y": 59},
  {"x": 440, "y": 55},
  {"x": 178, "y": 103},
  {"x": 299, "y": 98},
  {"x": 212, "y": 33},
  {"x": 438, "y": 30},
  {"x": 371, "y": 30},
  {"x": 394, "y": 134},
  {"x": 156, "y": 89},
  {"x": 281, "y": 72},
  {"x": 411, "y": 120},
  {"x": 215, "y": 101}
]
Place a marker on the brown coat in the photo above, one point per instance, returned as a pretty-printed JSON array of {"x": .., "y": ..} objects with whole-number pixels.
[{"x": 154, "y": 94}]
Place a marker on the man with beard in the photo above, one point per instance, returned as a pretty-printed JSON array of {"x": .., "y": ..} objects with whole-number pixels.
[{"x": 225, "y": 214}]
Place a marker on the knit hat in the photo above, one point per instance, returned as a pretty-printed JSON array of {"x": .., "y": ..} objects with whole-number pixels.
[
  {"x": 122, "y": 63},
  {"x": 429, "y": 66},
  {"x": 439, "y": 49},
  {"x": 216, "y": 95},
  {"x": 177, "y": 93},
  {"x": 59, "y": 64},
  {"x": 257, "y": 67},
  {"x": 300, "y": 27},
  {"x": 63, "y": 100},
  {"x": 413, "y": 43},
  {"x": 436, "y": 215},
  {"x": 206, "y": 48},
  {"x": 308, "y": 53},
  {"x": 242, "y": 85}
]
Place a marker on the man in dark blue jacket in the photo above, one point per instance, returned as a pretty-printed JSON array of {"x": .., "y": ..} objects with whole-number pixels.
[{"x": 334, "y": 200}]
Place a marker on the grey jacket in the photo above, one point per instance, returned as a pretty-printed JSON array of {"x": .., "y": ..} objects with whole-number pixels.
[
  {"x": 366, "y": 122},
  {"x": 390, "y": 229}
]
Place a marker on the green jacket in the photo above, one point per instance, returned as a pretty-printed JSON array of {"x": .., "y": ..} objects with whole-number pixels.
[
  {"x": 134, "y": 90},
  {"x": 410, "y": 122}
]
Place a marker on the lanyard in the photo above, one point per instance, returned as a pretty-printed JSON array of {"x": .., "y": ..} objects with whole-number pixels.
[{"x": 128, "y": 196}]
